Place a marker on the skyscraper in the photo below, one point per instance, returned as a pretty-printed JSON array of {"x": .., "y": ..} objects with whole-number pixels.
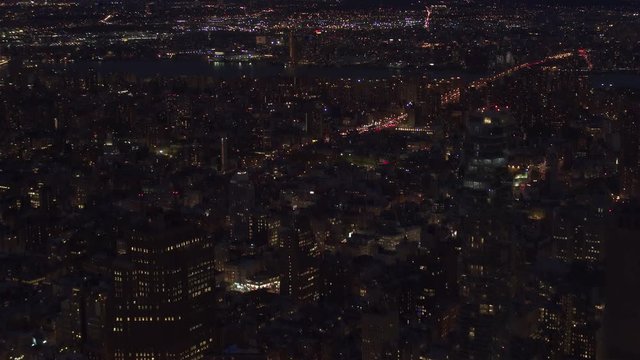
[
  {"x": 241, "y": 203},
  {"x": 163, "y": 291},
  {"x": 484, "y": 235},
  {"x": 301, "y": 273},
  {"x": 485, "y": 151}
]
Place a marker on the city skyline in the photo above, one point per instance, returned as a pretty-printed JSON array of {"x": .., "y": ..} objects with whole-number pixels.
[{"x": 293, "y": 180}]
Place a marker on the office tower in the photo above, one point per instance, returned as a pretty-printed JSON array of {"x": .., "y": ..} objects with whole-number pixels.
[
  {"x": 484, "y": 235},
  {"x": 241, "y": 204},
  {"x": 483, "y": 283},
  {"x": 163, "y": 291},
  {"x": 41, "y": 197},
  {"x": 82, "y": 321},
  {"x": 485, "y": 152},
  {"x": 264, "y": 229},
  {"x": 69, "y": 324},
  {"x": 241, "y": 193},
  {"x": 578, "y": 233},
  {"x": 300, "y": 275},
  {"x": 569, "y": 309},
  {"x": 96, "y": 322}
]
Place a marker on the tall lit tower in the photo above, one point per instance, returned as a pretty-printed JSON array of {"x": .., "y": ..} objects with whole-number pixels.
[
  {"x": 485, "y": 152},
  {"x": 484, "y": 235}
]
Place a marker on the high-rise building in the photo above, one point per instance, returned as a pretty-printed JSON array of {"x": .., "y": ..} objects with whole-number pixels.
[
  {"x": 483, "y": 282},
  {"x": 485, "y": 151},
  {"x": 241, "y": 193},
  {"x": 95, "y": 322},
  {"x": 301, "y": 273},
  {"x": 163, "y": 298},
  {"x": 578, "y": 233},
  {"x": 241, "y": 204},
  {"x": 69, "y": 326},
  {"x": 569, "y": 308},
  {"x": 484, "y": 235}
]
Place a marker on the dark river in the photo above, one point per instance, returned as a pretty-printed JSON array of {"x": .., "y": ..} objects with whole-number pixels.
[{"x": 229, "y": 70}]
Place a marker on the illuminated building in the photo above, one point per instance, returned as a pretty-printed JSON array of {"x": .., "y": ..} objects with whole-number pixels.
[
  {"x": 40, "y": 197},
  {"x": 578, "y": 233},
  {"x": 69, "y": 329},
  {"x": 241, "y": 203},
  {"x": 264, "y": 230},
  {"x": 96, "y": 322},
  {"x": 484, "y": 235},
  {"x": 82, "y": 321},
  {"x": 485, "y": 151},
  {"x": 270, "y": 284},
  {"x": 300, "y": 276},
  {"x": 568, "y": 316},
  {"x": 482, "y": 286},
  {"x": 163, "y": 292}
]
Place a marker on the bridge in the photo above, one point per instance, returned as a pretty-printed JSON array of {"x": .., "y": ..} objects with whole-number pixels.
[
  {"x": 393, "y": 121},
  {"x": 482, "y": 82}
]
